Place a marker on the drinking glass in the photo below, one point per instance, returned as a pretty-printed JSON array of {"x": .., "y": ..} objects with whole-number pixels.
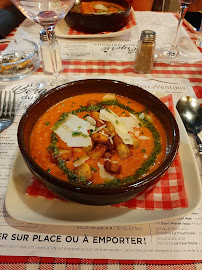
[
  {"x": 174, "y": 55},
  {"x": 47, "y": 13}
]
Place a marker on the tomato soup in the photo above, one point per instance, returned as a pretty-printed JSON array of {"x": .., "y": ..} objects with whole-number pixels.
[
  {"x": 99, "y": 7},
  {"x": 98, "y": 139}
]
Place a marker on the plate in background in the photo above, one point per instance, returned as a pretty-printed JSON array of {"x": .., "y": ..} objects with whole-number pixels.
[{"x": 62, "y": 30}]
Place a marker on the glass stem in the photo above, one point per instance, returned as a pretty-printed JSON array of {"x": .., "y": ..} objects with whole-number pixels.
[
  {"x": 50, "y": 33},
  {"x": 183, "y": 10}
]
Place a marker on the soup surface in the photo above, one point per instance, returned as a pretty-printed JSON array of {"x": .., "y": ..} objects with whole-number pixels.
[
  {"x": 98, "y": 139},
  {"x": 98, "y": 7}
]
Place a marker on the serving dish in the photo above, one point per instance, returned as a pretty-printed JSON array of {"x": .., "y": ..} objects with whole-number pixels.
[
  {"x": 18, "y": 59},
  {"x": 87, "y": 194},
  {"x": 99, "y": 22},
  {"x": 65, "y": 31},
  {"x": 40, "y": 210}
]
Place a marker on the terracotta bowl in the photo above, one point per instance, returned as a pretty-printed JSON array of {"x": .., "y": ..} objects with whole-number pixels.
[
  {"x": 95, "y": 23},
  {"x": 88, "y": 194}
]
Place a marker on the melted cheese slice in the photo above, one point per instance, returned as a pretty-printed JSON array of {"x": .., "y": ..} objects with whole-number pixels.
[
  {"x": 122, "y": 125},
  {"x": 104, "y": 174},
  {"x": 144, "y": 138},
  {"x": 73, "y": 124},
  {"x": 80, "y": 161},
  {"x": 109, "y": 96}
]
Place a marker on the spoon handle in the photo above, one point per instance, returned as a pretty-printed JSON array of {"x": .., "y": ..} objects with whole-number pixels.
[{"x": 199, "y": 143}]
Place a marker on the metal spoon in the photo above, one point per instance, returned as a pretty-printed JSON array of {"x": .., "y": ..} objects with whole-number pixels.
[{"x": 191, "y": 113}]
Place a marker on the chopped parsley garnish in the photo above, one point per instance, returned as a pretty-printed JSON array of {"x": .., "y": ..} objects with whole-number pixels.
[
  {"x": 143, "y": 150},
  {"x": 85, "y": 115},
  {"x": 93, "y": 169},
  {"x": 79, "y": 133},
  {"x": 76, "y": 159},
  {"x": 108, "y": 110},
  {"x": 91, "y": 132},
  {"x": 47, "y": 123}
]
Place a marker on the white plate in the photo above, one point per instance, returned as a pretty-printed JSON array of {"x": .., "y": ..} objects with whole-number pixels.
[
  {"x": 62, "y": 29},
  {"x": 57, "y": 212}
]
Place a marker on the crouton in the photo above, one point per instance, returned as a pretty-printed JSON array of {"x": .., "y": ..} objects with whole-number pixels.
[
  {"x": 52, "y": 157},
  {"x": 122, "y": 149},
  {"x": 106, "y": 131},
  {"x": 99, "y": 138},
  {"x": 64, "y": 154},
  {"x": 84, "y": 170},
  {"x": 112, "y": 167},
  {"x": 111, "y": 128},
  {"x": 108, "y": 155},
  {"x": 136, "y": 142},
  {"x": 96, "y": 116},
  {"x": 110, "y": 145},
  {"x": 89, "y": 148},
  {"x": 98, "y": 151}
]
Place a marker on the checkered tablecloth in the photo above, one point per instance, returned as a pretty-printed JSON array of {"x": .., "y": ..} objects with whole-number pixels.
[
  {"x": 39, "y": 263},
  {"x": 193, "y": 72}
]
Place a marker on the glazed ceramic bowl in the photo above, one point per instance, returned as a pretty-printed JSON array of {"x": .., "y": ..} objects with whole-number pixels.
[
  {"x": 91, "y": 194},
  {"x": 18, "y": 58},
  {"x": 96, "y": 23}
]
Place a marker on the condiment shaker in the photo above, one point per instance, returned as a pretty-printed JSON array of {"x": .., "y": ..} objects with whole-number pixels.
[
  {"x": 45, "y": 54},
  {"x": 144, "y": 60}
]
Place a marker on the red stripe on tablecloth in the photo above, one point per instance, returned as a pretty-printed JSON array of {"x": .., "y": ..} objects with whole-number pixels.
[
  {"x": 194, "y": 72},
  {"x": 14, "y": 259},
  {"x": 51, "y": 260},
  {"x": 119, "y": 63},
  {"x": 198, "y": 91},
  {"x": 33, "y": 190},
  {"x": 197, "y": 80},
  {"x": 126, "y": 67},
  {"x": 130, "y": 70}
]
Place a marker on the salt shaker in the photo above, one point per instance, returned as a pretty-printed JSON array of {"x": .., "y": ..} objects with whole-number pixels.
[
  {"x": 45, "y": 54},
  {"x": 144, "y": 60}
]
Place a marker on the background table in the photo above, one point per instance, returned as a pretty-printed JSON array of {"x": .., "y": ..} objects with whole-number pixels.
[{"x": 193, "y": 72}]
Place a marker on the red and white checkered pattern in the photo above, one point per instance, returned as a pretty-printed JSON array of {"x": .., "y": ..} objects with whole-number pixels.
[
  {"x": 168, "y": 193},
  {"x": 192, "y": 72},
  {"x": 38, "y": 263}
]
